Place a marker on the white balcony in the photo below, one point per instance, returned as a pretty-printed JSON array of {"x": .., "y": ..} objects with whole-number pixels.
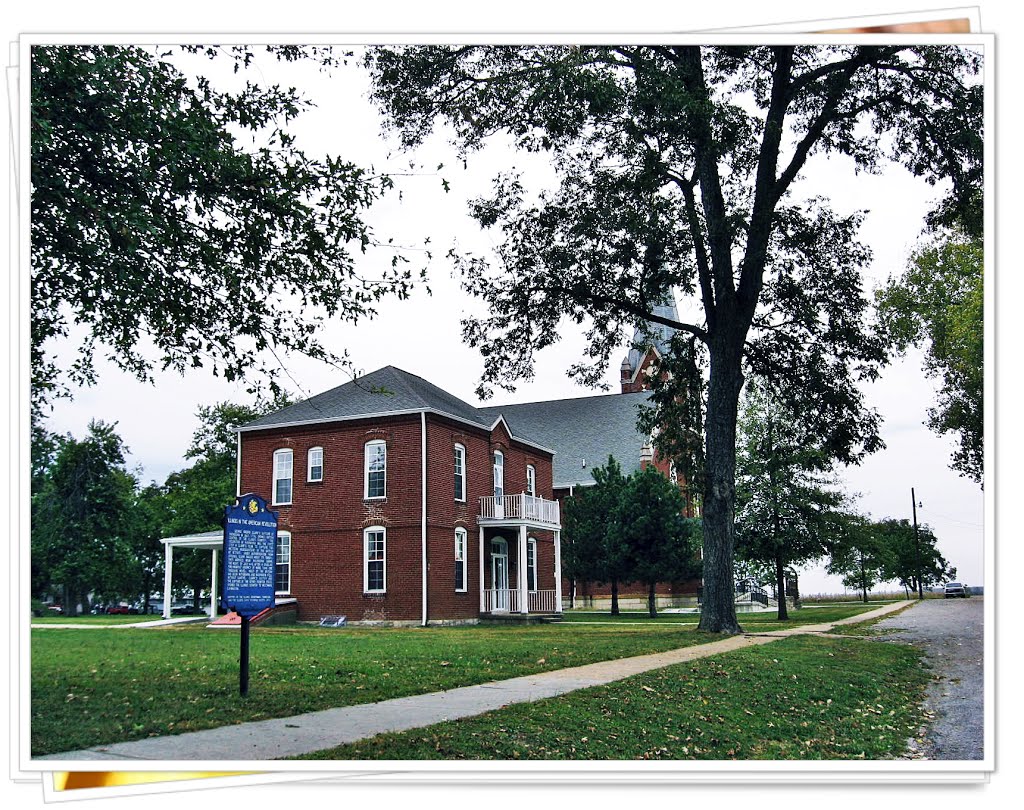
[{"x": 526, "y": 509}]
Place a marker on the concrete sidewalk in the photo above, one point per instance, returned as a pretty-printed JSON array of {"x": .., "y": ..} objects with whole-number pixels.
[{"x": 315, "y": 731}]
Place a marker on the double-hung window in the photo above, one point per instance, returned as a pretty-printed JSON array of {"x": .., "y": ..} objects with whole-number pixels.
[
  {"x": 374, "y": 560},
  {"x": 315, "y": 466},
  {"x": 282, "y": 477},
  {"x": 531, "y": 564},
  {"x": 460, "y": 472},
  {"x": 376, "y": 469},
  {"x": 531, "y": 480},
  {"x": 460, "y": 559},
  {"x": 283, "y": 570},
  {"x": 499, "y": 474}
]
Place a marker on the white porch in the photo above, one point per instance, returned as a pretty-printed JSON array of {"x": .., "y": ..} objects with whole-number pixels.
[
  {"x": 210, "y": 541},
  {"x": 510, "y": 522}
]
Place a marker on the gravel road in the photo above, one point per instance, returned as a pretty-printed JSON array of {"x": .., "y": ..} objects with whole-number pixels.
[{"x": 950, "y": 632}]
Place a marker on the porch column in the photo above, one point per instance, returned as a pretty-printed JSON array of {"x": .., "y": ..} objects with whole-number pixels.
[
  {"x": 213, "y": 588},
  {"x": 558, "y": 571},
  {"x": 524, "y": 596},
  {"x": 483, "y": 596},
  {"x": 168, "y": 564}
]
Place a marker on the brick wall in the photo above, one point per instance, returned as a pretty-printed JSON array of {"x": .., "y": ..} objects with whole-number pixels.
[{"x": 327, "y": 519}]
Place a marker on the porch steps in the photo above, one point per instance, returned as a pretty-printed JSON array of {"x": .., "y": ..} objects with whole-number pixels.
[{"x": 520, "y": 618}]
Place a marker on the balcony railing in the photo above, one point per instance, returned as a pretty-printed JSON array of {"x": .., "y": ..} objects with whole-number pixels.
[
  {"x": 529, "y": 508},
  {"x": 543, "y": 602}
]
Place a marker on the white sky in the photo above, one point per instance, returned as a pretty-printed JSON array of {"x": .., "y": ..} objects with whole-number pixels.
[{"x": 422, "y": 335}]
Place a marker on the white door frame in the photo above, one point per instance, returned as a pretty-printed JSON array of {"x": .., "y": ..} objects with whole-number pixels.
[{"x": 499, "y": 585}]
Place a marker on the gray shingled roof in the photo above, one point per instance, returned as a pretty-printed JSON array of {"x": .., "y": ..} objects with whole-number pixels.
[
  {"x": 583, "y": 432},
  {"x": 388, "y": 390},
  {"x": 655, "y": 334}
]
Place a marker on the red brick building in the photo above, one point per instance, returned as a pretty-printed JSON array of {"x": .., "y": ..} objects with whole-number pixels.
[{"x": 398, "y": 502}]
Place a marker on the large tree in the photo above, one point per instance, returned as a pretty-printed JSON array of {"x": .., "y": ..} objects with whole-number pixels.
[
  {"x": 177, "y": 224},
  {"x": 678, "y": 167},
  {"x": 938, "y": 304},
  {"x": 81, "y": 532},
  {"x": 912, "y": 554},
  {"x": 859, "y": 555},
  {"x": 789, "y": 508}
]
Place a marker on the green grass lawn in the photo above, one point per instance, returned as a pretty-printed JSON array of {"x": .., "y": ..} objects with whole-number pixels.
[
  {"x": 99, "y": 620},
  {"x": 91, "y": 687},
  {"x": 798, "y": 698},
  {"x": 758, "y": 621}
]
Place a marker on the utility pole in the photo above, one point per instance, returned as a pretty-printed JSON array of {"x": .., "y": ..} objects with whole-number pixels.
[{"x": 917, "y": 545}]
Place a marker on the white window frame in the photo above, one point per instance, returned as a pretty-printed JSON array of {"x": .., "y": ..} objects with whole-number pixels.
[
  {"x": 366, "y": 469},
  {"x": 310, "y": 465},
  {"x": 499, "y": 479},
  {"x": 531, "y": 480},
  {"x": 531, "y": 563},
  {"x": 461, "y": 547},
  {"x": 459, "y": 462},
  {"x": 280, "y": 454},
  {"x": 284, "y": 538},
  {"x": 367, "y": 532}
]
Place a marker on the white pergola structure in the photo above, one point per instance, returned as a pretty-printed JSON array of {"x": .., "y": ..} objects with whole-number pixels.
[{"x": 213, "y": 541}]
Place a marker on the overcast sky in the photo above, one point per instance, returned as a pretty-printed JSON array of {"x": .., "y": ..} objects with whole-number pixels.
[{"x": 422, "y": 335}]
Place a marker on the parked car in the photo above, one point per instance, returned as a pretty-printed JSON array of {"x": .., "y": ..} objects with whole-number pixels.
[
  {"x": 956, "y": 589},
  {"x": 55, "y": 608},
  {"x": 121, "y": 609}
]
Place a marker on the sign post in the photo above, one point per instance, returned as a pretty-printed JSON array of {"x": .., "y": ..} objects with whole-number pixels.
[{"x": 250, "y": 561}]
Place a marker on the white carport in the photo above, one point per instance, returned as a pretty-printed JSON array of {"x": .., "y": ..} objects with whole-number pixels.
[{"x": 213, "y": 541}]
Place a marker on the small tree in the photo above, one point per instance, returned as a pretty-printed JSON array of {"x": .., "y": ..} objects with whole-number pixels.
[
  {"x": 597, "y": 550},
  {"x": 788, "y": 504},
  {"x": 661, "y": 543},
  {"x": 911, "y": 557},
  {"x": 859, "y": 555}
]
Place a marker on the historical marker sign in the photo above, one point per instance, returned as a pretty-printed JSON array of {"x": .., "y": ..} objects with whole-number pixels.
[{"x": 250, "y": 556}]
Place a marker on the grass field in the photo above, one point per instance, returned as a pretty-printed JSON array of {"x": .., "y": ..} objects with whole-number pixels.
[
  {"x": 91, "y": 687},
  {"x": 90, "y": 620},
  {"x": 801, "y": 698}
]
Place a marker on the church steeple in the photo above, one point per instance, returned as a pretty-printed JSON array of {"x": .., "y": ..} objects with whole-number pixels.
[{"x": 650, "y": 341}]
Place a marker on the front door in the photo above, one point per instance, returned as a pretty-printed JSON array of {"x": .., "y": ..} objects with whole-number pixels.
[{"x": 499, "y": 574}]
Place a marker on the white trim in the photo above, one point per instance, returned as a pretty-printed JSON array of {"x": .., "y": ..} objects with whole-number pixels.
[
  {"x": 277, "y": 559},
  {"x": 366, "y": 470},
  {"x": 366, "y": 561},
  {"x": 461, "y": 533},
  {"x": 238, "y": 466},
  {"x": 406, "y": 412},
  {"x": 494, "y": 473},
  {"x": 531, "y": 480},
  {"x": 531, "y": 558},
  {"x": 291, "y": 478},
  {"x": 309, "y": 466},
  {"x": 461, "y": 475}
]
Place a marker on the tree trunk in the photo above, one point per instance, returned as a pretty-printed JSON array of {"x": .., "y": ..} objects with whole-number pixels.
[
  {"x": 718, "y": 609},
  {"x": 615, "y": 597},
  {"x": 652, "y": 608},
  {"x": 780, "y": 579},
  {"x": 863, "y": 581}
]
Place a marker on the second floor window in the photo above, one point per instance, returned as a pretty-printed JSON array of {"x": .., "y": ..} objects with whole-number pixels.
[
  {"x": 282, "y": 476},
  {"x": 499, "y": 474},
  {"x": 376, "y": 469},
  {"x": 460, "y": 472},
  {"x": 531, "y": 480},
  {"x": 316, "y": 464}
]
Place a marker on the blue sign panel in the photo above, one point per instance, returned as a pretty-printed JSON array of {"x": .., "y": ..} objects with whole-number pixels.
[{"x": 250, "y": 556}]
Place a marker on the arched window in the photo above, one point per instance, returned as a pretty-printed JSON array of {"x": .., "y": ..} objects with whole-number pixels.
[
  {"x": 531, "y": 480},
  {"x": 282, "y": 477},
  {"x": 460, "y": 472},
  {"x": 315, "y": 465},
  {"x": 375, "y": 466},
  {"x": 460, "y": 559},
  {"x": 374, "y": 560},
  {"x": 283, "y": 571}
]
